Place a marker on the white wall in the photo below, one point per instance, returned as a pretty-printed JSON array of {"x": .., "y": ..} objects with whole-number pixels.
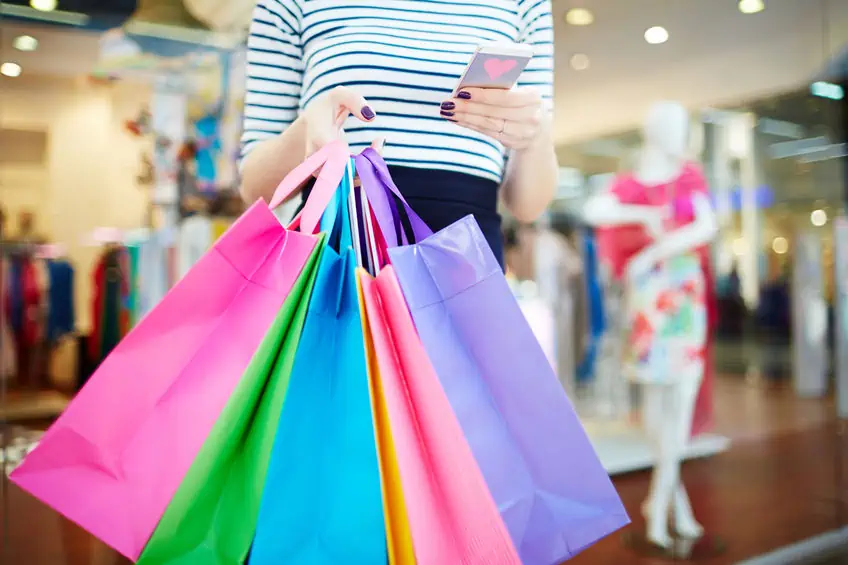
[{"x": 88, "y": 178}]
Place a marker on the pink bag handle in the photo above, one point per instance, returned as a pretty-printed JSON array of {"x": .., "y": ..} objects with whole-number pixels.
[{"x": 331, "y": 160}]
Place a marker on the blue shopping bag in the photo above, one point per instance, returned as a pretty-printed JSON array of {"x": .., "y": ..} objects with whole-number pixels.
[{"x": 322, "y": 502}]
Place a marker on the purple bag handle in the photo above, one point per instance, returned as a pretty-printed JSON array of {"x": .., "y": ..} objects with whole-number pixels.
[{"x": 378, "y": 184}]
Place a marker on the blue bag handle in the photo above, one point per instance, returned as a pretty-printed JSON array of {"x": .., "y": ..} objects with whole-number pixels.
[{"x": 336, "y": 217}]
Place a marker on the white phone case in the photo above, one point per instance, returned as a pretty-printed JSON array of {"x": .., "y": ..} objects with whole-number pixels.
[{"x": 496, "y": 66}]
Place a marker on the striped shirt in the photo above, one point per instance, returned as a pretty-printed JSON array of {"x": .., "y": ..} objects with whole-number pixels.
[{"x": 404, "y": 56}]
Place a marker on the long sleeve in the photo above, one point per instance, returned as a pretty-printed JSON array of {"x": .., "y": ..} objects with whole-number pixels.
[{"x": 274, "y": 71}]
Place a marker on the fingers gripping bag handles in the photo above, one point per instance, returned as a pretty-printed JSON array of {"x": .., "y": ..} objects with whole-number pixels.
[
  {"x": 551, "y": 489},
  {"x": 322, "y": 503},
  {"x": 114, "y": 459},
  {"x": 451, "y": 515}
]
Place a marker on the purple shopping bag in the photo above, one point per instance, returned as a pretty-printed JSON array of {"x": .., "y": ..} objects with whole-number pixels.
[{"x": 551, "y": 489}]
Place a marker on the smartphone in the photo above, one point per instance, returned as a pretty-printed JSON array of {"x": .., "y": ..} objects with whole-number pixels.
[{"x": 496, "y": 65}]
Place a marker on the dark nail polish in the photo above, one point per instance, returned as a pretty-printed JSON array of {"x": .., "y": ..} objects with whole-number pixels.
[
  {"x": 448, "y": 105},
  {"x": 446, "y": 114},
  {"x": 464, "y": 95},
  {"x": 368, "y": 113}
]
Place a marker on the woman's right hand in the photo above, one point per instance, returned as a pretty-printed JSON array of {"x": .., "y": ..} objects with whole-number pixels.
[{"x": 324, "y": 119}]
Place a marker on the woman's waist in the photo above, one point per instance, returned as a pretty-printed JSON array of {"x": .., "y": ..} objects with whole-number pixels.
[
  {"x": 445, "y": 187},
  {"x": 418, "y": 143}
]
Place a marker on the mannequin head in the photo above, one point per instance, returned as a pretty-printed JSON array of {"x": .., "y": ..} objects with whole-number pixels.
[{"x": 666, "y": 129}]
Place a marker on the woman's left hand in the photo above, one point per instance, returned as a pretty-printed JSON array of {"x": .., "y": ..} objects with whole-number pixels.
[{"x": 516, "y": 118}]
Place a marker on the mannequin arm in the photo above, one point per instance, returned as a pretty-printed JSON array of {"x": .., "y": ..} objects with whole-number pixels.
[
  {"x": 606, "y": 210},
  {"x": 696, "y": 234}
]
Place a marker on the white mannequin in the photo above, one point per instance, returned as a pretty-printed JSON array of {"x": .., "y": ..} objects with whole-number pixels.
[{"x": 668, "y": 409}]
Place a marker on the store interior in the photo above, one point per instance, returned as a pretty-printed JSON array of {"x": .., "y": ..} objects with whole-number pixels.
[{"x": 119, "y": 145}]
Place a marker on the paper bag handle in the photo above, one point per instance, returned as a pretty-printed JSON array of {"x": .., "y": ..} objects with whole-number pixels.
[
  {"x": 378, "y": 184},
  {"x": 332, "y": 160}
]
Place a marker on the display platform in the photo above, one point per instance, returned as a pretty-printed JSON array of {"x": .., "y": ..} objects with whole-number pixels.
[
  {"x": 623, "y": 448},
  {"x": 701, "y": 550}
]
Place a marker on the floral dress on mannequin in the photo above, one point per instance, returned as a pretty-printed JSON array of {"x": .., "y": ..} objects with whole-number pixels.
[{"x": 666, "y": 308}]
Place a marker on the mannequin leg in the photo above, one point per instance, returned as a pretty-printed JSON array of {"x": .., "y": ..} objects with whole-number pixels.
[
  {"x": 656, "y": 506},
  {"x": 685, "y": 523},
  {"x": 684, "y": 519},
  {"x": 668, "y": 422}
]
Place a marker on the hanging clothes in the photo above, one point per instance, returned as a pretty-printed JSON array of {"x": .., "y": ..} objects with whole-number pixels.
[
  {"x": 152, "y": 272},
  {"x": 133, "y": 257},
  {"x": 110, "y": 316},
  {"x": 595, "y": 310},
  {"x": 208, "y": 148},
  {"x": 25, "y": 303},
  {"x": 558, "y": 270},
  {"x": 15, "y": 295},
  {"x": 195, "y": 239},
  {"x": 61, "y": 319},
  {"x": 8, "y": 344},
  {"x": 221, "y": 225}
]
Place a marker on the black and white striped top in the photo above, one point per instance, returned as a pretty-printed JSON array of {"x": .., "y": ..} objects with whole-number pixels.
[{"x": 404, "y": 56}]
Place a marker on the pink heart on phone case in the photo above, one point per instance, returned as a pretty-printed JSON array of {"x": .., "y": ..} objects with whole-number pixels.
[{"x": 496, "y": 68}]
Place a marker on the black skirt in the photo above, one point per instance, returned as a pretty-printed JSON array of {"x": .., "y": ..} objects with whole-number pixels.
[{"x": 443, "y": 197}]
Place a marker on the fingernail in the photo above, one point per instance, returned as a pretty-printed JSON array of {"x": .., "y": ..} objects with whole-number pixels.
[
  {"x": 446, "y": 114},
  {"x": 448, "y": 105},
  {"x": 464, "y": 95},
  {"x": 367, "y": 113}
]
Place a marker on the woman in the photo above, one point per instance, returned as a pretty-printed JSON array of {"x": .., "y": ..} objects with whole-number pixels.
[{"x": 323, "y": 69}]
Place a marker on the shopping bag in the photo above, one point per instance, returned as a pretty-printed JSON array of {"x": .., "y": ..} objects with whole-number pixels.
[
  {"x": 212, "y": 518},
  {"x": 398, "y": 535},
  {"x": 551, "y": 489},
  {"x": 323, "y": 502},
  {"x": 114, "y": 458},
  {"x": 452, "y": 516}
]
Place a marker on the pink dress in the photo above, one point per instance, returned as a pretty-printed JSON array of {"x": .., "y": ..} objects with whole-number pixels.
[{"x": 672, "y": 309}]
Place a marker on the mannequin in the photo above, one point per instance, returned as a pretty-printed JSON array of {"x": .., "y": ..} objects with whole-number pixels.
[{"x": 674, "y": 220}]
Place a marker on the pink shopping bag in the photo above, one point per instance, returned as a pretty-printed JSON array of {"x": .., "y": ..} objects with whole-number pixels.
[
  {"x": 114, "y": 459},
  {"x": 452, "y": 516}
]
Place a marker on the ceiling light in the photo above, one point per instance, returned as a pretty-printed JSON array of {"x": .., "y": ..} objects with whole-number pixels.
[
  {"x": 10, "y": 70},
  {"x": 751, "y": 6},
  {"x": 818, "y": 218},
  {"x": 25, "y": 43},
  {"x": 44, "y": 5},
  {"x": 579, "y": 61},
  {"x": 780, "y": 245},
  {"x": 656, "y": 35},
  {"x": 579, "y": 17}
]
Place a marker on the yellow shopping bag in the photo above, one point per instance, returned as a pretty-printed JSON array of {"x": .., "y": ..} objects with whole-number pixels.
[{"x": 398, "y": 536}]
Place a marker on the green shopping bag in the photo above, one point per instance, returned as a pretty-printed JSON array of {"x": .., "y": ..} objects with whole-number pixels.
[{"x": 212, "y": 517}]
